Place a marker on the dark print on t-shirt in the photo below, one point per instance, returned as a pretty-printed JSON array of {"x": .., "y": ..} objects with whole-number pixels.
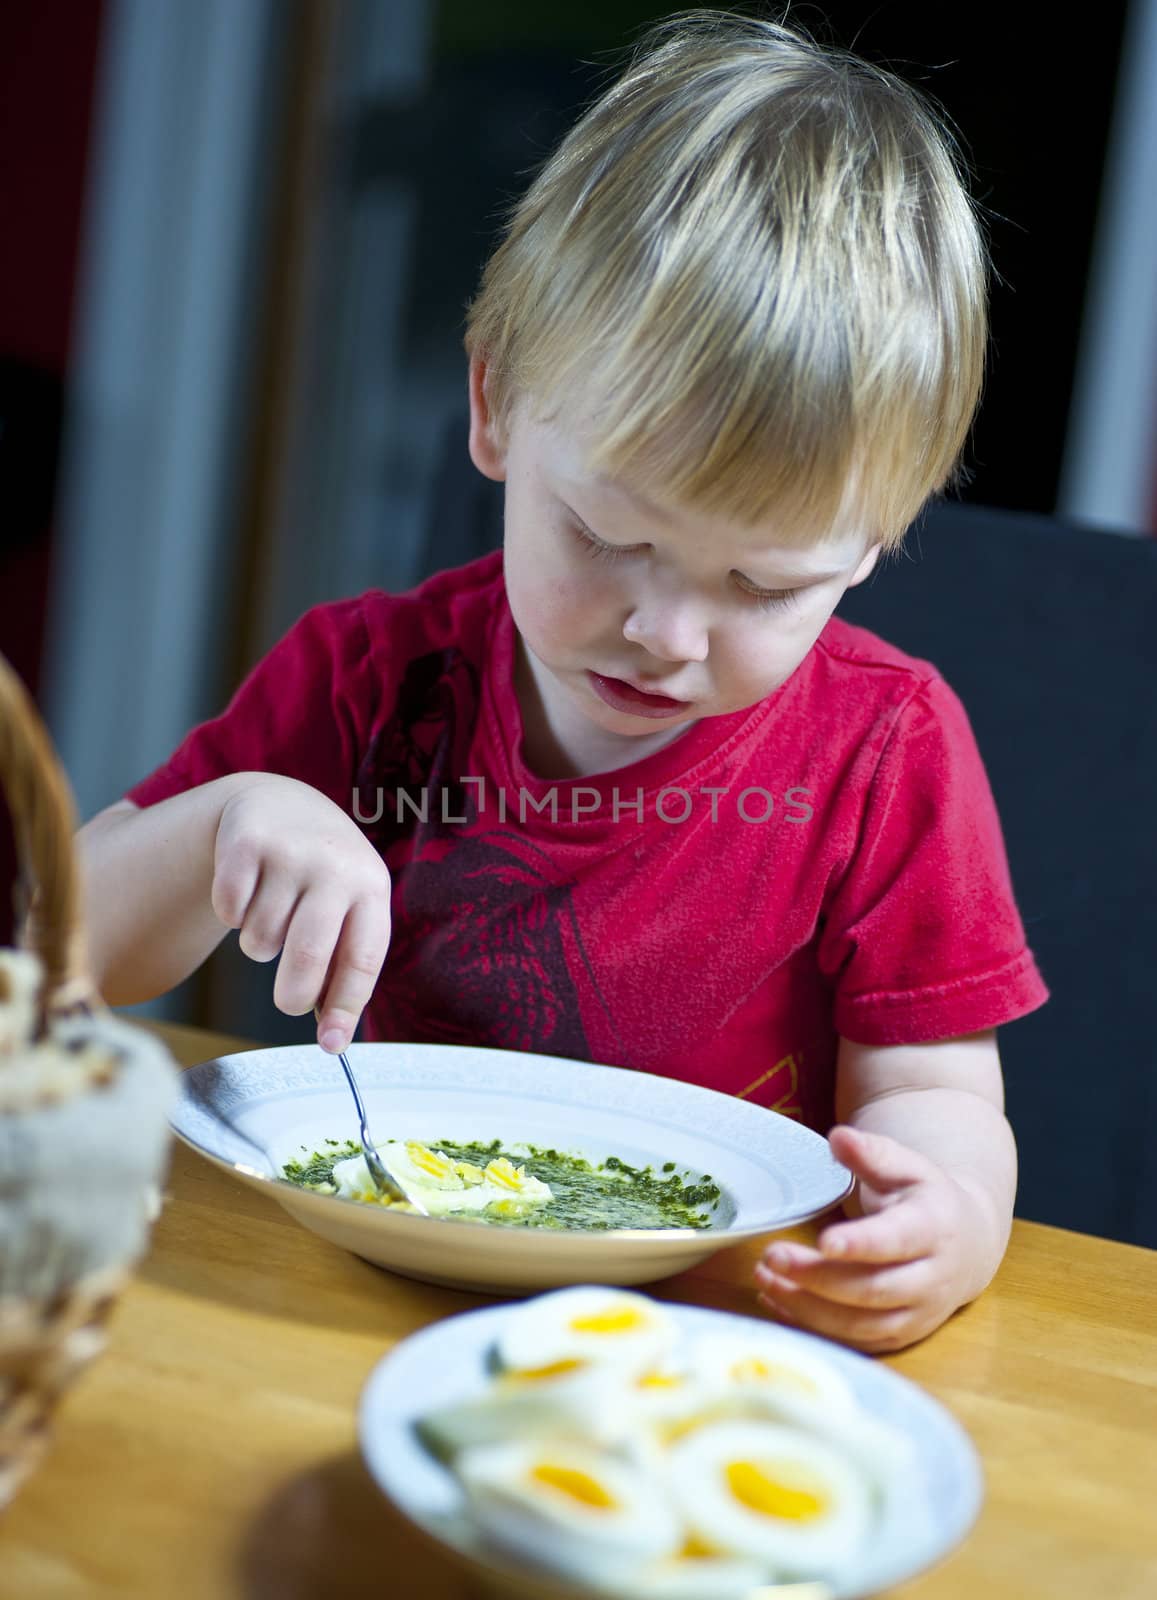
[{"x": 483, "y": 918}]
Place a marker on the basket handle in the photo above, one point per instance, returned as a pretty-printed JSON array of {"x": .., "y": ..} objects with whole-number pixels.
[{"x": 43, "y": 815}]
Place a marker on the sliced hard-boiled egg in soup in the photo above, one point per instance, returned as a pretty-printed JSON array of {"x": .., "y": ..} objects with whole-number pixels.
[
  {"x": 352, "y": 1180},
  {"x": 418, "y": 1163},
  {"x": 443, "y": 1185},
  {"x": 505, "y": 1181}
]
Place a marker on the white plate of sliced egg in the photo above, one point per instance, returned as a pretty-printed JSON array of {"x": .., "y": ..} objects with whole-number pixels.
[
  {"x": 258, "y": 1113},
  {"x": 595, "y": 1442}
]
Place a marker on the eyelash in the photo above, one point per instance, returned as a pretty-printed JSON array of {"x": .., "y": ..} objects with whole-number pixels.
[{"x": 599, "y": 550}]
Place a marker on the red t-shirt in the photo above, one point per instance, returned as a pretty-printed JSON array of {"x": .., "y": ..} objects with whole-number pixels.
[{"x": 826, "y": 862}]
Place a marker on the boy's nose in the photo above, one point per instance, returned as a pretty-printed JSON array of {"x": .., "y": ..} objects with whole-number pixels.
[{"x": 672, "y": 630}]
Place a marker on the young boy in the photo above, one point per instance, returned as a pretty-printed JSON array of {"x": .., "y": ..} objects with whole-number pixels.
[{"x": 627, "y": 792}]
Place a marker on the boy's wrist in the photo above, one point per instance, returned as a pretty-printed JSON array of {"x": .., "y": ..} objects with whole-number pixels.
[{"x": 227, "y": 791}]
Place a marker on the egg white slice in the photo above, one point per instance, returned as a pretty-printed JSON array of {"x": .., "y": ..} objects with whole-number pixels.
[
  {"x": 667, "y": 1393},
  {"x": 513, "y": 1185},
  {"x": 690, "y": 1578},
  {"x": 772, "y": 1494},
  {"x": 660, "y": 1404},
  {"x": 774, "y": 1377},
  {"x": 353, "y": 1181},
  {"x": 444, "y": 1186},
  {"x": 587, "y": 1323},
  {"x": 568, "y": 1506},
  {"x": 570, "y": 1399}
]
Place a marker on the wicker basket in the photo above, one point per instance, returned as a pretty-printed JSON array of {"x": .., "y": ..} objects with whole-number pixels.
[{"x": 84, "y": 1102}]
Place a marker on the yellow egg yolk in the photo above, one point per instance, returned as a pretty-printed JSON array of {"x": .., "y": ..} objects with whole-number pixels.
[
  {"x": 761, "y": 1488},
  {"x": 756, "y": 1369},
  {"x": 674, "y": 1431},
  {"x": 623, "y": 1319},
  {"x": 556, "y": 1369},
  {"x": 427, "y": 1160},
  {"x": 505, "y": 1174},
  {"x": 576, "y": 1485}
]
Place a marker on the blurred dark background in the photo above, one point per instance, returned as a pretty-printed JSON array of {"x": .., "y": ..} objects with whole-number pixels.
[
  {"x": 380, "y": 143},
  {"x": 241, "y": 235}
]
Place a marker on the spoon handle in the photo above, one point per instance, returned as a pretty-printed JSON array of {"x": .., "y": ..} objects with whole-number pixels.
[
  {"x": 357, "y": 1094},
  {"x": 377, "y": 1167},
  {"x": 383, "y": 1181}
]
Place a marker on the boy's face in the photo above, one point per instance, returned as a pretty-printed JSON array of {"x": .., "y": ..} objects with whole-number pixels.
[{"x": 610, "y": 590}]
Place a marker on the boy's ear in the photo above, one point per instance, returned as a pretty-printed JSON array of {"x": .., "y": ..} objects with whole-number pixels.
[
  {"x": 866, "y": 566},
  {"x": 487, "y": 451}
]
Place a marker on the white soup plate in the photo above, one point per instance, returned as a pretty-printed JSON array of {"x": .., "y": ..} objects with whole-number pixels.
[{"x": 253, "y": 1112}]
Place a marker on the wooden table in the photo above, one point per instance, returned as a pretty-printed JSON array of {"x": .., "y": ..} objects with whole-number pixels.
[{"x": 211, "y": 1452}]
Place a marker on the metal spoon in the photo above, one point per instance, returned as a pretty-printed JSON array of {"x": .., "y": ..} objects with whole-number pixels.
[{"x": 385, "y": 1181}]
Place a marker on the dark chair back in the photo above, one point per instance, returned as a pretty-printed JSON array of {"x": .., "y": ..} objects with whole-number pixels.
[{"x": 1048, "y": 633}]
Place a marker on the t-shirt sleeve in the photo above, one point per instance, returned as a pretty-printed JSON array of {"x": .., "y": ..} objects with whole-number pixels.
[
  {"x": 922, "y": 939},
  {"x": 300, "y": 713}
]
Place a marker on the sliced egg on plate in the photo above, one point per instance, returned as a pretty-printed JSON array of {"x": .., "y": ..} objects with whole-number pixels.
[
  {"x": 587, "y": 1323},
  {"x": 662, "y": 1403},
  {"x": 772, "y": 1376},
  {"x": 666, "y": 1393},
  {"x": 693, "y": 1576},
  {"x": 772, "y": 1494},
  {"x": 570, "y": 1398},
  {"x": 568, "y": 1507},
  {"x": 775, "y": 1376}
]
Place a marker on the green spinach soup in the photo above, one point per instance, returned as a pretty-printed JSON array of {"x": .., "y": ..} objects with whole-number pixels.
[{"x": 583, "y": 1195}]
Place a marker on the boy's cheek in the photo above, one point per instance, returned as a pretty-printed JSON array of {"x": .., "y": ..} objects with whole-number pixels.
[
  {"x": 565, "y": 596},
  {"x": 565, "y": 608},
  {"x": 542, "y": 609}
]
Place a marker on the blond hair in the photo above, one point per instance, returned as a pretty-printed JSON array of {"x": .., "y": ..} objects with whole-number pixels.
[{"x": 754, "y": 266}]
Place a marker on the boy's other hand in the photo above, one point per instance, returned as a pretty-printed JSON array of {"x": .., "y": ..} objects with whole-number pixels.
[
  {"x": 296, "y": 875},
  {"x": 892, "y": 1275}
]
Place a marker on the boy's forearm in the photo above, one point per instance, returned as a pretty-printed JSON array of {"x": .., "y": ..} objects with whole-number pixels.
[
  {"x": 970, "y": 1139},
  {"x": 147, "y": 878}
]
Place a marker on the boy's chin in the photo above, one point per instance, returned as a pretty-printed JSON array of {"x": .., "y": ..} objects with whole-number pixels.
[{"x": 621, "y": 726}]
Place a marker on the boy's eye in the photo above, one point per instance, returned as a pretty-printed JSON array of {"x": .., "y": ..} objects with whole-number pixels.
[
  {"x": 772, "y": 599},
  {"x": 600, "y": 550}
]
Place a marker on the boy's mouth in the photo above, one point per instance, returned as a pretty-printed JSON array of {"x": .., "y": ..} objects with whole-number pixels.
[{"x": 625, "y": 696}]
